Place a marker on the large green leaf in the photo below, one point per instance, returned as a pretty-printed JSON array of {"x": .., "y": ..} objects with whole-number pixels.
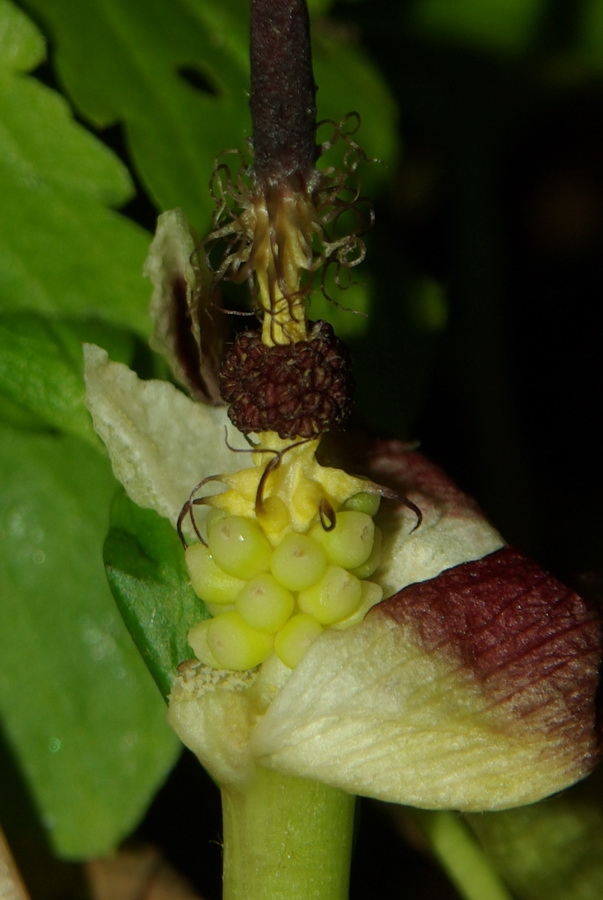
[
  {"x": 550, "y": 850},
  {"x": 515, "y": 27},
  {"x": 41, "y": 362},
  {"x": 177, "y": 76},
  {"x": 21, "y": 44},
  {"x": 502, "y": 26},
  {"x": 145, "y": 567},
  {"x": 62, "y": 247},
  {"x": 590, "y": 36},
  {"x": 82, "y": 714}
]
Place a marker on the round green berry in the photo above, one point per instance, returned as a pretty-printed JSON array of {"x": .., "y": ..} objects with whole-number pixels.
[
  {"x": 293, "y": 640},
  {"x": 298, "y": 561},
  {"x": 265, "y": 604},
  {"x": 239, "y": 546},
  {"x": 208, "y": 580},
  {"x": 235, "y": 644},
  {"x": 350, "y": 543},
  {"x": 364, "y": 502},
  {"x": 197, "y": 639},
  {"x": 216, "y": 609},
  {"x": 213, "y": 515},
  {"x": 333, "y": 598},
  {"x": 371, "y": 595},
  {"x": 370, "y": 566}
]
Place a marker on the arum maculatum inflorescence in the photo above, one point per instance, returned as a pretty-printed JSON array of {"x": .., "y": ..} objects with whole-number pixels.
[
  {"x": 473, "y": 684},
  {"x": 290, "y": 545}
]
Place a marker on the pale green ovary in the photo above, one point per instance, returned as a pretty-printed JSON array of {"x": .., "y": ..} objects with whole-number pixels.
[{"x": 278, "y": 599}]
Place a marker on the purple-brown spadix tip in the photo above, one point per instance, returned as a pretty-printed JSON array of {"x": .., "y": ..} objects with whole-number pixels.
[{"x": 282, "y": 103}]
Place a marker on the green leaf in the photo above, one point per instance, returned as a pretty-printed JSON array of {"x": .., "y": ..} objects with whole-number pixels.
[
  {"x": 502, "y": 26},
  {"x": 174, "y": 73},
  {"x": 550, "y": 850},
  {"x": 21, "y": 45},
  {"x": 590, "y": 37},
  {"x": 349, "y": 82},
  {"x": 79, "y": 710},
  {"x": 148, "y": 577},
  {"x": 41, "y": 370},
  {"x": 62, "y": 249},
  {"x": 457, "y": 850}
]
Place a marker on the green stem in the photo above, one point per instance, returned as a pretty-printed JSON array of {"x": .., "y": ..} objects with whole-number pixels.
[
  {"x": 461, "y": 856},
  {"x": 286, "y": 838}
]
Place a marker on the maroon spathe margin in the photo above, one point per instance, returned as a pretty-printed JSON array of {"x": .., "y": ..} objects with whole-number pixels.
[{"x": 533, "y": 645}]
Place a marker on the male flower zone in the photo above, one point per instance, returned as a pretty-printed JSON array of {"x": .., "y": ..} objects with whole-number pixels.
[{"x": 369, "y": 631}]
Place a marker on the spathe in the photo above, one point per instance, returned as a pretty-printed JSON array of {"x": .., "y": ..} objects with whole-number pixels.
[{"x": 473, "y": 686}]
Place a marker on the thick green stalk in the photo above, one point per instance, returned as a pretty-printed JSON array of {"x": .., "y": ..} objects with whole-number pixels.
[
  {"x": 460, "y": 855},
  {"x": 286, "y": 838}
]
